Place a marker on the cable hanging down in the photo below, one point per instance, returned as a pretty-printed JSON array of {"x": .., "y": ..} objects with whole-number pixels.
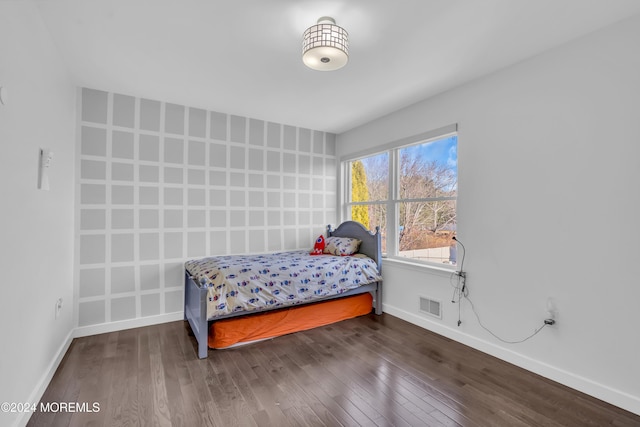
[{"x": 460, "y": 291}]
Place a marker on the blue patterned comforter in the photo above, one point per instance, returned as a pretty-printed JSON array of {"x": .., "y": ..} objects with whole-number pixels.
[{"x": 256, "y": 282}]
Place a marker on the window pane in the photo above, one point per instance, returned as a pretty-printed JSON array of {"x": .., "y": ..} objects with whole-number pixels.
[
  {"x": 370, "y": 178},
  {"x": 372, "y": 216},
  {"x": 429, "y": 169},
  {"x": 426, "y": 229}
]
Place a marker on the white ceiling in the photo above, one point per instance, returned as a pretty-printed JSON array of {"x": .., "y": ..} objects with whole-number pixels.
[{"x": 244, "y": 56}]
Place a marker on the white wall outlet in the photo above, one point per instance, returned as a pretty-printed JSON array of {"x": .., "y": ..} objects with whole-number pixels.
[{"x": 58, "y": 307}]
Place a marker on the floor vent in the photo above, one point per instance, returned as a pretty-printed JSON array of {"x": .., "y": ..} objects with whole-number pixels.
[{"x": 431, "y": 307}]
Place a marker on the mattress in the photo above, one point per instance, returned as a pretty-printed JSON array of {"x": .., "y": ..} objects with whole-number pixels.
[{"x": 247, "y": 283}]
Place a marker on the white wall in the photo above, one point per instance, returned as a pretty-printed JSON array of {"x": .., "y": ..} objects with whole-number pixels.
[
  {"x": 549, "y": 157},
  {"x": 36, "y": 249}
]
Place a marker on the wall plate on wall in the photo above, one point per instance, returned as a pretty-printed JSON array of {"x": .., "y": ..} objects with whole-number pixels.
[{"x": 43, "y": 171}]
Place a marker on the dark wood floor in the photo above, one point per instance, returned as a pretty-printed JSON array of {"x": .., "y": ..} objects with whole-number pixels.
[{"x": 370, "y": 371}]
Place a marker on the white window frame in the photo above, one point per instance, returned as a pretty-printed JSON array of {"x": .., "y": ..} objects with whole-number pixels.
[{"x": 393, "y": 201}]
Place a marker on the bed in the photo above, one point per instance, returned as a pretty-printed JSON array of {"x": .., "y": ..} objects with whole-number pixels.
[{"x": 226, "y": 287}]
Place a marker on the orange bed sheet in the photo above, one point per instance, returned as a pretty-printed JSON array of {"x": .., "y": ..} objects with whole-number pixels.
[{"x": 225, "y": 333}]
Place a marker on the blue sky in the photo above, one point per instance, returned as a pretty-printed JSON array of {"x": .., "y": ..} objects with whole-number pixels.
[{"x": 444, "y": 151}]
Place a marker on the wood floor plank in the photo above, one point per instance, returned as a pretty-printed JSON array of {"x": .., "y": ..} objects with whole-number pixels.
[
  {"x": 415, "y": 386},
  {"x": 366, "y": 368},
  {"x": 97, "y": 386},
  {"x": 277, "y": 390},
  {"x": 295, "y": 384},
  {"x": 123, "y": 408},
  {"x": 159, "y": 413},
  {"x": 255, "y": 392},
  {"x": 428, "y": 374},
  {"x": 322, "y": 404},
  {"x": 367, "y": 371},
  {"x": 363, "y": 396},
  {"x": 392, "y": 411},
  {"x": 198, "y": 393},
  {"x": 144, "y": 386},
  {"x": 228, "y": 400},
  {"x": 170, "y": 362}
]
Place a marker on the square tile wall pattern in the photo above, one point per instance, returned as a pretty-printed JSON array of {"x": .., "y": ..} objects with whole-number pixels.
[{"x": 160, "y": 183}]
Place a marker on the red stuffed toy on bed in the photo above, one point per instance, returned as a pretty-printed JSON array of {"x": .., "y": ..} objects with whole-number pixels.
[{"x": 318, "y": 247}]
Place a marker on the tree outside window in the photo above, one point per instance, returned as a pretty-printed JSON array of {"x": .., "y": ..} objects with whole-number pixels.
[{"x": 421, "y": 195}]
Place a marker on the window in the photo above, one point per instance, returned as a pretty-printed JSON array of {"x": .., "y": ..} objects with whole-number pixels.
[
  {"x": 370, "y": 192},
  {"x": 410, "y": 192}
]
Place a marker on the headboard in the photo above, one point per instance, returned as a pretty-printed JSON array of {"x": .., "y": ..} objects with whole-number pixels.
[{"x": 371, "y": 242}]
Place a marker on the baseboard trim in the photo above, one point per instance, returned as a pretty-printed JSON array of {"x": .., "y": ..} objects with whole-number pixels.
[
  {"x": 610, "y": 395},
  {"x": 38, "y": 392},
  {"x": 103, "y": 328}
]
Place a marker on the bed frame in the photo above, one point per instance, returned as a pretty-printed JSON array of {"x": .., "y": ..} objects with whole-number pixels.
[{"x": 195, "y": 297}]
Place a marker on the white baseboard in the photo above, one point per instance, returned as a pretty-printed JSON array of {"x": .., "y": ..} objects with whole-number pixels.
[
  {"x": 600, "y": 391},
  {"x": 103, "y": 328},
  {"x": 37, "y": 393}
]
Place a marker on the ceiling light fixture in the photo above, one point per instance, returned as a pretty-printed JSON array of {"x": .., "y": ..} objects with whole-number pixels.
[{"x": 325, "y": 46}]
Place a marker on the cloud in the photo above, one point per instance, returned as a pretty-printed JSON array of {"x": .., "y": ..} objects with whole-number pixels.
[{"x": 452, "y": 160}]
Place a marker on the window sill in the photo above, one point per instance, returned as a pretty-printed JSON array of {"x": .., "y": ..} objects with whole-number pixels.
[{"x": 418, "y": 266}]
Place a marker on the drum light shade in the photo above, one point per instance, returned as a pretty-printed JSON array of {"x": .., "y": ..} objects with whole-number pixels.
[{"x": 325, "y": 46}]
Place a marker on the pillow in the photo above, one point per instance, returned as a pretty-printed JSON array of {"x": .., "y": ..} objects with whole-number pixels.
[
  {"x": 341, "y": 246},
  {"x": 318, "y": 247}
]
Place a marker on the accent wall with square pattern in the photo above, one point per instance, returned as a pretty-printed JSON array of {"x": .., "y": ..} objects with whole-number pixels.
[{"x": 160, "y": 183}]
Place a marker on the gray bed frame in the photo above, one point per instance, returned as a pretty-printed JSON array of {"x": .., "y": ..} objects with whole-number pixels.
[{"x": 195, "y": 296}]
